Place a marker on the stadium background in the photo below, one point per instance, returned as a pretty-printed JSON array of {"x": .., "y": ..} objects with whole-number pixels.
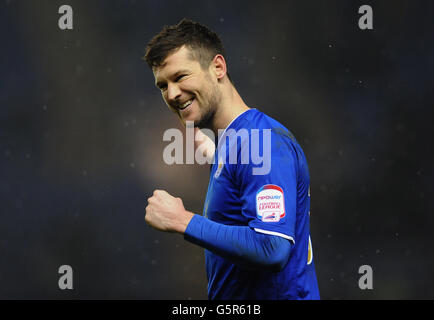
[{"x": 81, "y": 128}]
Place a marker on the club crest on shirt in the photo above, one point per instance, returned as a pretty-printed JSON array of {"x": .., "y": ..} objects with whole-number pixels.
[
  {"x": 270, "y": 203},
  {"x": 219, "y": 168}
]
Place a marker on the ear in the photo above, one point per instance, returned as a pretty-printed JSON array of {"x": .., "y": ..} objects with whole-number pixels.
[{"x": 219, "y": 66}]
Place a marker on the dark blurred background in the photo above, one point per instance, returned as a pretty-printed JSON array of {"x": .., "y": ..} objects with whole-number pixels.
[{"x": 81, "y": 127}]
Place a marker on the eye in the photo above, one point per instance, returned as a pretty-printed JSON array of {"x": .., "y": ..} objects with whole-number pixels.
[{"x": 179, "y": 77}]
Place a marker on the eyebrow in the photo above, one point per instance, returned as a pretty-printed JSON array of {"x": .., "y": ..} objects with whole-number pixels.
[{"x": 158, "y": 84}]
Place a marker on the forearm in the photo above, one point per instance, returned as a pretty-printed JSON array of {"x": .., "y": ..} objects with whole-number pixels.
[{"x": 240, "y": 244}]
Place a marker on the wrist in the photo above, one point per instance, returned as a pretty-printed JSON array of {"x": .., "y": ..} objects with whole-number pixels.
[{"x": 187, "y": 216}]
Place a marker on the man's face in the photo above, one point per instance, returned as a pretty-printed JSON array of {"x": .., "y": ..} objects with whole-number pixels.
[{"x": 187, "y": 89}]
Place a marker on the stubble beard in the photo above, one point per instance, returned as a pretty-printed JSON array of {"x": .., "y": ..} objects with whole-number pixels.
[{"x": 208, "y": 114}]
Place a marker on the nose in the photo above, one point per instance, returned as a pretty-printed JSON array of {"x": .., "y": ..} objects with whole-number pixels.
[{"x": 173, "y": 93}]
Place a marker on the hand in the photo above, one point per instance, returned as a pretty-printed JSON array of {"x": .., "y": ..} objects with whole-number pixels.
[
  {"x": 167, "y": 213},
  {"x": 204, "y": 145}
]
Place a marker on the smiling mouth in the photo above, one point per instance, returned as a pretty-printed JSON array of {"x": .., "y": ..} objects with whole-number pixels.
[{"x": 186, "y": 104}]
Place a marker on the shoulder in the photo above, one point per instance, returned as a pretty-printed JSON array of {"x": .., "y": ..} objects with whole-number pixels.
[
  {"x": 257, "y": 123},
  {"x": 283, "y": 144},
  {"x": 256, "y": 119},
  {"x": 257, "y": 130}
]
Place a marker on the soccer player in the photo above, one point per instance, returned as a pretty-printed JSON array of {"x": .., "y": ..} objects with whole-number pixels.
[{"x": 255, "y": 224}]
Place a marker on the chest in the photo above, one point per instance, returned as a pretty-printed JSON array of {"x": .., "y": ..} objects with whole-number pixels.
[{"x": 223, "y": 203}]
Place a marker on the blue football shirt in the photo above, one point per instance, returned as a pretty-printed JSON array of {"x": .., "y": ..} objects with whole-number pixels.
[{"x": 260, "y": 178}]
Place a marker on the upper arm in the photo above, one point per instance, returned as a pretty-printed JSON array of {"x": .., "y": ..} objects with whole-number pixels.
[
  {"x": 274, "y": 251},
  {"x": 269, "y": 201}
]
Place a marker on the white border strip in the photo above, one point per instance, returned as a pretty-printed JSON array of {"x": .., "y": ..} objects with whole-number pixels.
[{"x": 275, "y": 234}]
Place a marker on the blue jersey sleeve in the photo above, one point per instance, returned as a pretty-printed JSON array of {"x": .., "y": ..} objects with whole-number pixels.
[
  {"x": 268, "y": 183},
  {"x": 240, "y": 244}
]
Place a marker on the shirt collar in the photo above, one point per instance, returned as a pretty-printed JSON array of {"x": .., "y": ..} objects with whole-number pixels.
[{"x": 223, "y": 133}]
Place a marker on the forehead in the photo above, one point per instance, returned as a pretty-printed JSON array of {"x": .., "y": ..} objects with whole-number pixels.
[{"x": 179, "y": 60}]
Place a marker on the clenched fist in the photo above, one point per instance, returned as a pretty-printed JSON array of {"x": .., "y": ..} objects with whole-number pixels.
[{"x": 167, "y": 213}]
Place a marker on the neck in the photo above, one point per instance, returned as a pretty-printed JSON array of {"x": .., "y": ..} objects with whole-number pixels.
[{"x": 231, "y": 106}]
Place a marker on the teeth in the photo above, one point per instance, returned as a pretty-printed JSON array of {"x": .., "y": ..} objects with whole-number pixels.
[{"x": 186, "y": 104}]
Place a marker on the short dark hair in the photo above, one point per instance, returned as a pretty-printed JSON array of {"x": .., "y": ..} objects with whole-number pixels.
[{"x": 203, "y": 43}]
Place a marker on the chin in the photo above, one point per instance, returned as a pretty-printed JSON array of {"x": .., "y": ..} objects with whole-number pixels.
[{"x": 194, "y": 116}]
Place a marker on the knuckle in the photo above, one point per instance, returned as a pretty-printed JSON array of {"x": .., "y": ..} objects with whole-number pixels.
[{"x": 148, "y": 216}]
